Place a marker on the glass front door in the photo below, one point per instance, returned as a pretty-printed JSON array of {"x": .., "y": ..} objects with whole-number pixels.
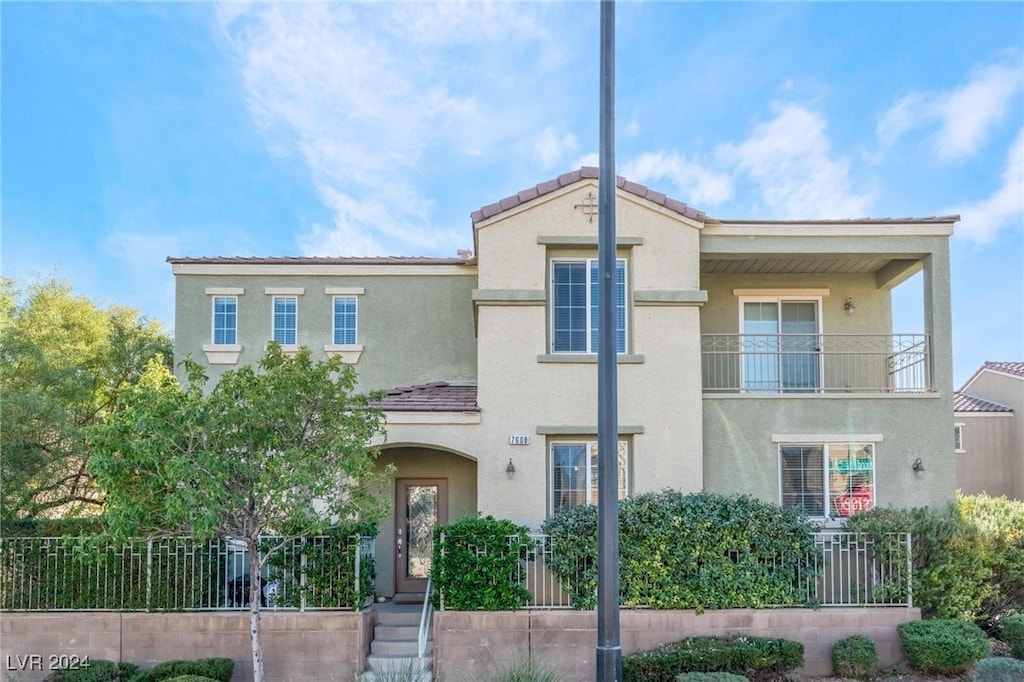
[{"x": 420, "y": 505}]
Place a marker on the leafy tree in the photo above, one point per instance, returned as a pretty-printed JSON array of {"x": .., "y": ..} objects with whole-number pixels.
[
  {"x": 62, "y": 360},
  {"x": 283, "y": 447}
]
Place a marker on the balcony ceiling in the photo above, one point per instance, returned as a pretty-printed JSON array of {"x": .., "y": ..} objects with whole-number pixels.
[{"x": 858, "y": 264}]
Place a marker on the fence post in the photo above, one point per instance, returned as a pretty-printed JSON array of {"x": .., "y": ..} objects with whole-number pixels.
[
  {"x": 440, "y": 589},
  {"x": 910, "y": 573},
  {"x": 149, "y": 574},
  {"x": 302, "y": 579},
  {"x": 358, "y": 543}
]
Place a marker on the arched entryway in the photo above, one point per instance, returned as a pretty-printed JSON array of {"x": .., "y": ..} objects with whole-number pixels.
[{"x": 430, "y": 486}]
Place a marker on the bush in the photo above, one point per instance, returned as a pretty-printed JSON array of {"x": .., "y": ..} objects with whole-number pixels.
[
  {"x": 191, "y": 678},
  {"x": 477, "y": 566},
  {"x": 757, "y": 658},
  {"x": 854, "y": 656},
  {"x": 215, "y": 668},
  {"x": 998, "y": 670},
  {"x": 1011, "y": 631},
  {"x": 98, "y": 670},
  {"x": 710, "y": 677},
  {"x": 942, "y": 647},
  {"x": 696, "y": 551},
  {"x": 323, "y": 570},
  {"x": 999, "y": 523},
  {"x": 522, "y": 670}
]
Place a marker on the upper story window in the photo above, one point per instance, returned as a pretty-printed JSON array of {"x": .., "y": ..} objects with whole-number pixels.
[
  {"x": 780, "y": 344},
  {"x": 286, "y": 320},
  {"x": 345, "y": 308},
  {"x": 835, "y": 480},
  {"x": 958, "y": 438},
  {"x": 574, "y": 306},
  {"x": 574, "y": 473},
  {"x": 225, "y": 320}
]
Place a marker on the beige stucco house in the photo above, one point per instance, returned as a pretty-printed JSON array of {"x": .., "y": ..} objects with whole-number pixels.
[
  {"x": 755, "y": 357},
  {"x": 989, "y": 431}
]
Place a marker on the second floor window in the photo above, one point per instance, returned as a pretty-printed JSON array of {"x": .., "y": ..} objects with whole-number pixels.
[
  {"x": 574, "y": 306},
  {"x": 285, "y": 319},
  {"x": 225, "y": 320},
  {"x": 344, "y": 320}
]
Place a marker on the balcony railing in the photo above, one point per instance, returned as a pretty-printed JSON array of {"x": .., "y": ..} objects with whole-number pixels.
[{"x": 815, "y": 363}]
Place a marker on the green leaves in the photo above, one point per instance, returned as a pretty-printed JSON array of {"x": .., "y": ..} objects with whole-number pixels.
[{"x": 477, "y": 565}]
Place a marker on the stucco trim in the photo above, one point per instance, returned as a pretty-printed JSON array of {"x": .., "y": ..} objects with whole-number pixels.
[
  {"x": 587, "y": 241},
  {"x": 432, "y": 417},
  {"x": 509, "y": 297},
  {"x": 781, "y": 292},
  {"x": 328, "y": 269},
  {"x": 285, "y": 291},
  {"x": 222, "y": 354},
  {"x": 344, "y": 291},
  {"x": 349, "y": 353},
  {"x": 662, "y": 297},
  {"x": 224, "y": 291},
  {"x": 589, "y": 430},
  {"x": 827, "y": 438},
  {"x": 588, "y": 358}
]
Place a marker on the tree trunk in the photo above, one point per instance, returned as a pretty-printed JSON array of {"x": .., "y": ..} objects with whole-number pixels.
[{"x": 255, "y": 595}]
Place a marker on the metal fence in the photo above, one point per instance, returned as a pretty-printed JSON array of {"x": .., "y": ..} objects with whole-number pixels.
[
  {"x": 181, "y": 574},
  {"x": 849, "y": 569},
  {"x": 815, "y": 363}
]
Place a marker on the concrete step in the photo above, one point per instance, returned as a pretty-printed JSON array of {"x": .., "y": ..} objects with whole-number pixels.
[
  {"x": 371, "y": 676},
  {"x": 396, "y": 631},
  {"x": 399, "y": 617},
  {"x": 398, "y": 668},
  {"x": 397, "y": 647}
]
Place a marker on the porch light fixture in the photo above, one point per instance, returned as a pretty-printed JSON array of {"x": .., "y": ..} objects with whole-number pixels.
[
  {"x": 849, "y": 307},
  {"x": 511, "y": 468},
  {"x": 917, "y": 466}
]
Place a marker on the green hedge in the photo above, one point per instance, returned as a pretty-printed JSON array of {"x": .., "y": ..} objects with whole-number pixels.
[
  {"x": 756, "y": 658},
  {"x": 219, "y": 669},
  {"x": 710, "y": 677},
  {"x": 694, "y": 551},
  {"x": 942, "y": 646},
  {"x": 998, "y": 670},
  {"x": 98, "y": 670},
  {"x": 855, "y": 656},
  {"x": 477, "y": 565},
  {"x": 1011, "y": 631},
  {"x": 327, "y": 574}
]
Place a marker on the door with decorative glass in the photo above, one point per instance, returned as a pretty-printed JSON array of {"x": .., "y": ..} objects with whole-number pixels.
[
  {"x": 781, "y": 346},
  {"x": 420, "y": 506}
]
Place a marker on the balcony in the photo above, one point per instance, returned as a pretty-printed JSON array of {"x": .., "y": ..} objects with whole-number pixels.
[{"x": 815, "y": 363}]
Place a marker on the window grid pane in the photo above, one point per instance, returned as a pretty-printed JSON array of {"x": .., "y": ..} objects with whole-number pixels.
[
  {"x": 225, "y": 320},
  {"x": 569, "y": 326},
  {"x": 345, "y": 320},
  {"x": 851, "y": 478},
  {"x": 574, "y": 468},
  {"x": 285, "y": 320},
  {"x": 802, "y": 478}
]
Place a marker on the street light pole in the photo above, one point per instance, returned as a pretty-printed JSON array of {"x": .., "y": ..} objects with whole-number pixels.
[{"x": 609, "y": 649}]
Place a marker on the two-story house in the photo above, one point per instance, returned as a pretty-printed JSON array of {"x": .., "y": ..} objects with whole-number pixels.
[
  {"x": 989, "y": 431},
  {"x": 754, "y": 357}
]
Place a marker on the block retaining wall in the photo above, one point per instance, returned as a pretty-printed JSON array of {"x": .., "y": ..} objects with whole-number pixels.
[
  {"x": 297, "y": 647},
  {"x": 471, "y": 644}
]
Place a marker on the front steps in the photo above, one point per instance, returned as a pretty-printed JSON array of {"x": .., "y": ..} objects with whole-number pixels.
[{"x": 393, "y": 651}]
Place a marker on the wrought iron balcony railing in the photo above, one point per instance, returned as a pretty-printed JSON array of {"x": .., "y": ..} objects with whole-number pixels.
[{"x": 815, "y": 363}]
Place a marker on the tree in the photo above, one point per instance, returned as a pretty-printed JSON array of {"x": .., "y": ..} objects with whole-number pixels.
[
  {"x": 62, "y": 361},
  {"x": 283, "y": 447}
]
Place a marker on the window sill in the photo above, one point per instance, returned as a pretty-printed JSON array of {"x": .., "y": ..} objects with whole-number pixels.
[
  {"x": 587, "y": 358},
  {"x": 222, "y": 354},
  {"x": 349, "y": 352}
]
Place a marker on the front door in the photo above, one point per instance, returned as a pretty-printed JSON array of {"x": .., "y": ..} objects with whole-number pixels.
[{"x": 420, "y": 505}]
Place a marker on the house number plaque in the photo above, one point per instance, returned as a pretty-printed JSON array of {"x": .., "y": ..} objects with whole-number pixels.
[{"x": 518, "y": 440}]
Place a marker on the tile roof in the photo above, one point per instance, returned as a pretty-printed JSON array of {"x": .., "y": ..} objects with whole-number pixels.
[
  {"x": 1014, "y": 368},
  {"x": 438, "y": 396},
  {"x": 319, "y": 260},
  {"x": 584, "y": 173},
  {"x": 968, "y": 403}
]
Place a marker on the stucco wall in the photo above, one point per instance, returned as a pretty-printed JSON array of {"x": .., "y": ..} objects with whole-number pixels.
[
  {"x": 298, "y": 647},
  {"x": 988, "y": 463},
  {"x": 468, "y": 645}
]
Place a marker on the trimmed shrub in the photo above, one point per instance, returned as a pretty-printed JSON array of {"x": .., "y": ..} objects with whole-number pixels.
[
  {"x": 98, "y": 670},
  {"x": 191, "y": 678},
  {"x": 710, "y": 677},
  {"x": 1011, "y": 631},
  {"x": 697, "y": 551},
  {"x": 999, "y": 523},
  {"x": 942, "y": 647},
  {"x": 998, "y": 670},
  {"x": 219, "y": 669},
  {"x": 855, "y": 656},
  {"x": 478, "y": 564},
  {"x": 756, "y": 658}
]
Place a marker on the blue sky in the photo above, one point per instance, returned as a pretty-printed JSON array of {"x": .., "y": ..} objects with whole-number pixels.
[{"x": 134, "y": 131}]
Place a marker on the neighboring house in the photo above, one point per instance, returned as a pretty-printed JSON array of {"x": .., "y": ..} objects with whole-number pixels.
[
  {"x": 989, "y": 431},
  {"x": 755, "y": 357}
]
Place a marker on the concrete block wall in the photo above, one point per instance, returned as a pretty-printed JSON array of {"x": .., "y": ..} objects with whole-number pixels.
[
  {"x": 466, "y": 643},
  {"x": 298, "y": 647}
]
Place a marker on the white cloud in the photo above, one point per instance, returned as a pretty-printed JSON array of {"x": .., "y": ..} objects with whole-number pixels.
[
  {"x": 964, "y": 116},
  {"x": 696, "y": 183},
  {"x": 1004, "y": 208},
  {"x": 550, "y": 149},
  {"x": 789, "y": 159}
]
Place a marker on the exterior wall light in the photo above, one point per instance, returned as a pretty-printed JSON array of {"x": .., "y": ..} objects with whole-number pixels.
[
  {"x": 849, "y": 306},
  {"x": 918, "y": 465},
  {"x": 511, "y": 468}
]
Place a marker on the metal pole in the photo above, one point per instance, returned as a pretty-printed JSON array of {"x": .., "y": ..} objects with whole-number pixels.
[{"x": 609, "y": 650}]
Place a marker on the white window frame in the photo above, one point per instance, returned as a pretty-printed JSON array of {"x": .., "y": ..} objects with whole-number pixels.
[
  {"x": 349, "y": 352},
  {"x": 780, "y": 297},
  {"x": 589, "y": 476},
  {"x": 213, "y": 321},
  {"x": 591, "y": 313},
  {"x": 295, "y": 320},
  {"x": 355, "y": 321},
  {"x": 827, "y": 500},
  {"x": 958, "y": 437}
]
